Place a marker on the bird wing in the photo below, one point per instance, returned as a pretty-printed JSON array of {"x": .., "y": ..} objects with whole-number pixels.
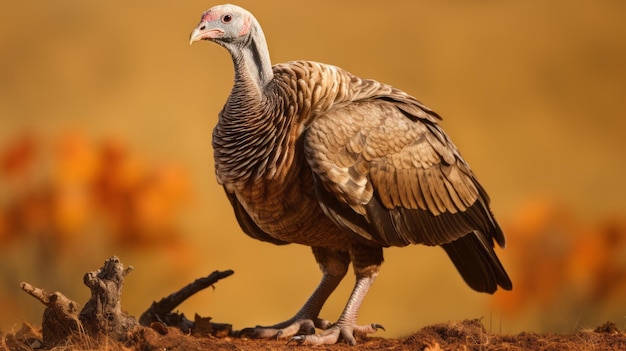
[
  {"x": 397, "y": 170},
  {"x": 385, "y": 170}
]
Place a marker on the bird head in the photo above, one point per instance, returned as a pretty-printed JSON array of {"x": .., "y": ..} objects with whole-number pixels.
[{"x": 223, "y": 24}]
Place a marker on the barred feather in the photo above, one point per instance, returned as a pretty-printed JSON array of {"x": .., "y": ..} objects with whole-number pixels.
[{"x": 309, "y": 153}]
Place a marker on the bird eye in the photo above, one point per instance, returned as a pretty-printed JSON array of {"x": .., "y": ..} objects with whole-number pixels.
[{"x": 227, "y": 18}]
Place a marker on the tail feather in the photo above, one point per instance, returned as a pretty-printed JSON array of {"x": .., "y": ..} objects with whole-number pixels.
[{"x": 474, "y": 258}]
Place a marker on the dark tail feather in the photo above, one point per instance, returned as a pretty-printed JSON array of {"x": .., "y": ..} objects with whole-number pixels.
[{"x": 474, "y": 258}]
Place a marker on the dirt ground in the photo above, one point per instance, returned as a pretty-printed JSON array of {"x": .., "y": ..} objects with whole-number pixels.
[{"x": 463, "y": 335}]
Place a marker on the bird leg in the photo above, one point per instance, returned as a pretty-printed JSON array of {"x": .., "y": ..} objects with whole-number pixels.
[
  {"x": 366, "y": 263},
  {"x": 334, "y": 266}
]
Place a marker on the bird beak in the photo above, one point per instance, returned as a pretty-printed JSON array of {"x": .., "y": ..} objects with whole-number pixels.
[{"x": 202, "y": 32}]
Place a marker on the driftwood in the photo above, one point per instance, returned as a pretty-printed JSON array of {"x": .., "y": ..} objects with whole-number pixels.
[
  {"x": 161, "y": 312},
  {"x": 102, "y": 315},
  {"x": 60, "y": 318}
]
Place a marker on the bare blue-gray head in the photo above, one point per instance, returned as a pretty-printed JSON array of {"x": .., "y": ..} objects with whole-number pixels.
[{"x": 239, "y": 32}]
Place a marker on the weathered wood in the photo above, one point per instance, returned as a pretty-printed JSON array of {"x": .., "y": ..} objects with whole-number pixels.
[
  {"x": 60, "y": 318},
  {"x": 103, "y": 313},
  {"x": 162, "y": 311}
]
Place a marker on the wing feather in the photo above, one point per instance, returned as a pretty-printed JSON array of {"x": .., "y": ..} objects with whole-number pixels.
[
  {"x": 371, "y": 149},
  {"x": 425, "y": 189},
  {"x": 387, "y": 172},
  {"x": 459, "y": 205}
]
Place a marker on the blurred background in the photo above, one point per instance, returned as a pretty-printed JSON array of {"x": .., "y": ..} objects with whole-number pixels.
[{"x": 106, "y": 115}]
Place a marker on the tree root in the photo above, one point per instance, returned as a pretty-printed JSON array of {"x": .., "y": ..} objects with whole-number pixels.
[
  {"x": 60, "y": 318},
  {"x": 161, "y": 312},
  {"x": 103, "y": 311},
  {"x": 102, "y": 315}
]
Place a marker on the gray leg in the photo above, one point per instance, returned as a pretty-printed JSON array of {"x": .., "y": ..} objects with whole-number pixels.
[
  {"x": 334, "y": 266},
  {"x": 366, "y": 261}
]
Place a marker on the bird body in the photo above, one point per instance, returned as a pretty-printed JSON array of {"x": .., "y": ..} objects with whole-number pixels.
[
  {"x": 310, "y": 154},
  {"x": 274, "y": 187}
]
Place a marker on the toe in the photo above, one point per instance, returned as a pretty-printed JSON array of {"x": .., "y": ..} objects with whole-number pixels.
[
  {"x": 348, "y": 336},
  {"x": 260, "y": 333},
  {"x": 368, "y": 329},
  {"x": 322, "y": 323},
  {"x": 280, "y": 331},
  {"x": 335, "y": 334}
]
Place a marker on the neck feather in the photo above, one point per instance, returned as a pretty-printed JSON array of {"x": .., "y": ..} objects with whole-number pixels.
[
  {"x": 246, "y": 123},
  {"x": 253, "y": 67}
]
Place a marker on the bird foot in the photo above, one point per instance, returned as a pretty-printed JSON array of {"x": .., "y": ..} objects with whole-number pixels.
[
  {"x": 286, "y": 329},
  {"x": 336, "y": 333}
]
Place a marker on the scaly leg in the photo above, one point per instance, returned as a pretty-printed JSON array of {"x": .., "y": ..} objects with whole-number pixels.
[
  {"x": 334, "y": 266},
  {"x": 366, "y": 261}
]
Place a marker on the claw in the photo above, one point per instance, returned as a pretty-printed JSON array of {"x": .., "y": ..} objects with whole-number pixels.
[
  {"x": 377, "y": 326},
  {"x": 246, "y": 332},
  {"x": 307, "y": 327},
  {"x": 298, "y": 338}
]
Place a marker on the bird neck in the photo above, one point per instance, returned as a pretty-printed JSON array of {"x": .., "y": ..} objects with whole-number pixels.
[
  {"x": 253, "y": 67},
  {"x": 244, "y": 124}
]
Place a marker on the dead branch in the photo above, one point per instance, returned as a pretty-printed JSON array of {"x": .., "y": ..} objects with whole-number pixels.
[
  {"x": 60, "y": 318},
  {"x": 161, "y": 311},
  {"x": 102, "y": 314}
]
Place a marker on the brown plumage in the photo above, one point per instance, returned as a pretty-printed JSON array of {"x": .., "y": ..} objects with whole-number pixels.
[{"x": 310, "y": 154}]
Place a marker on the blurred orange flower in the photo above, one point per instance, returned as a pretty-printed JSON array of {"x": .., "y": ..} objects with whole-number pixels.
[
  {"x": 79, "y": 184},
  {"x": 560, "y": 263}
]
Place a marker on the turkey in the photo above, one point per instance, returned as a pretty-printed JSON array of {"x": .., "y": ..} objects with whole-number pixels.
[{"x": 310, "y": 154}]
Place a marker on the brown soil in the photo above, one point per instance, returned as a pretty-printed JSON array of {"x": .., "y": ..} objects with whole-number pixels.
[
  {"x": 103, "y": 325},
  {"x": 464, "y": 335}
]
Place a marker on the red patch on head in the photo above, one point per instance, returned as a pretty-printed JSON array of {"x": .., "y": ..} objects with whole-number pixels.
[
  {"x": 209, "y": 16},
  {"x": 246, "y": 26}
]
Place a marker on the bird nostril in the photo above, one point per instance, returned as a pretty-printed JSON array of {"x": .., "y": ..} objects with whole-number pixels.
[{"x": 203, "y": 28}]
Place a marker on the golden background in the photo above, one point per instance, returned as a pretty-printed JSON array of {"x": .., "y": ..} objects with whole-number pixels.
[{"x": 533, "y": 93}]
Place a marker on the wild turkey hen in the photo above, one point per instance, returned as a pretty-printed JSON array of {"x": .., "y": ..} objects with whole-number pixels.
[{"x": 310, "y": 154}]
